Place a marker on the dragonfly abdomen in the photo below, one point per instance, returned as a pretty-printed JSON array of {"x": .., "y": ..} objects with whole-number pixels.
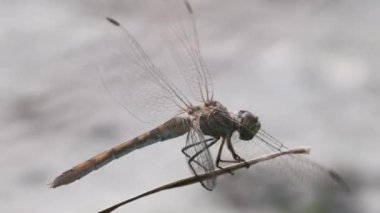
[{"x": 173, "y": 128}]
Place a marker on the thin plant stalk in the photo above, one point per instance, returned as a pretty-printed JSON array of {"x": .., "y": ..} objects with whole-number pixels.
[{"x": 197, "y": 178}]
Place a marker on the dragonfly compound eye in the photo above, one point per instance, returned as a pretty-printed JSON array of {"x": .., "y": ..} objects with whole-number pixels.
[{"x": 248, "y": 125}]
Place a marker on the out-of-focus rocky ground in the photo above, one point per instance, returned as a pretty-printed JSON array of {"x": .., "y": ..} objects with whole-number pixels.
[{"x": 309, "y": 69}]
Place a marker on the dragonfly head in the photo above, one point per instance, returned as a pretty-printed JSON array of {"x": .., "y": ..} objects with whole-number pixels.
[{"x": 248, "y": 125}]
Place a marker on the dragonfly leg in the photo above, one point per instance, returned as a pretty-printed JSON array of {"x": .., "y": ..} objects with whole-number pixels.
[
  {"x": 218, "y": 157},
  {"x": 183, "y": 150},
  {"x": 209, "y": 142},
  {"x": 236, "y": 157}
]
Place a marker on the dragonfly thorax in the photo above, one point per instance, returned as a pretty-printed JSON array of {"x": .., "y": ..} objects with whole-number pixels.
[
  {"x": 215, "y": 120},
  {"x": 249, "y": 125}
]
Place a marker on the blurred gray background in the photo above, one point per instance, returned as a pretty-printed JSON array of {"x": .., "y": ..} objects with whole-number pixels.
[{"x": 309, "y": 69}]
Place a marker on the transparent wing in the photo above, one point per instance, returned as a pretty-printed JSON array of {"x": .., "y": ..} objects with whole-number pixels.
[
  {"x": 198, "y": 156},
  {"x": 295, "y": 168},
  {"x": 134, "y": 81},
  {"x": 181, "y": 35}
]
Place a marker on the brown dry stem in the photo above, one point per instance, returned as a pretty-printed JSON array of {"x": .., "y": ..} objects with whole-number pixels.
[{"x": 196, "y": 179}]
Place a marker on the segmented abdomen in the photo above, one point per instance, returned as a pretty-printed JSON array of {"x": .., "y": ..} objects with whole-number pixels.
[{"x": 170, "y": 129}]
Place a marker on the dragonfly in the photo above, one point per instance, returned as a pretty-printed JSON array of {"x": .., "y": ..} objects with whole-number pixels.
[{"x": 200, "y": 117}]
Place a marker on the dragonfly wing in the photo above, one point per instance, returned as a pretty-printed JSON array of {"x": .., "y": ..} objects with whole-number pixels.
[
  {"x": 199, "y": 156},
  {"x": 181, "y": 34},
  {"x": 295, "y": 168},
  {"x": 134, "y": 81}
]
